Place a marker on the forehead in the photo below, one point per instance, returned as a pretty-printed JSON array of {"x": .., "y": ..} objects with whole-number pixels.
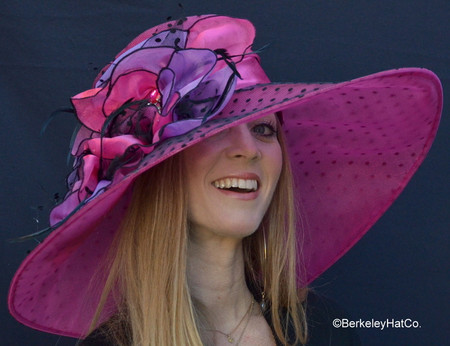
[
  {"x": 271, "y": 116},
  {"x": 267, "y": 117}
]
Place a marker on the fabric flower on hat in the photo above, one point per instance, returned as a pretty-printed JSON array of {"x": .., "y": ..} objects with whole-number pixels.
[{"x": 158, "y": 88}]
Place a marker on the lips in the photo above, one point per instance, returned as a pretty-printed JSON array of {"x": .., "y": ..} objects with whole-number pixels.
[{"x": 236, "y": 184}]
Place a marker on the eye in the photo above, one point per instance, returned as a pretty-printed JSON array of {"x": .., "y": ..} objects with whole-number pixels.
[{"x": 264, "y": 129}]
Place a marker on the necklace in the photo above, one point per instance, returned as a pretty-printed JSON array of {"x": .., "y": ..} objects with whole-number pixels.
[
  {"x": 229, "y": 335},
  {"x": 246, "y": 324}
]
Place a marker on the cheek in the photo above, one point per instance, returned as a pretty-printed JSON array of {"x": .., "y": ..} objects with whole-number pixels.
[
  {"x": 193, "y": 161},
  {"x": 275, "y": 164},
  {"x": 200, "y": 155},
  {"x": 195, "y": 199},
  {"x": 197, "y": 162}
]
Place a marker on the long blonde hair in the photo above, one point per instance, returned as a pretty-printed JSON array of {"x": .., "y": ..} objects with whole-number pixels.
[{"x": 149, "y": 256}]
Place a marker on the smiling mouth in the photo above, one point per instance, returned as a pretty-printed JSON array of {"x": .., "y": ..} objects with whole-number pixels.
[{"x": 237, "y": 185}]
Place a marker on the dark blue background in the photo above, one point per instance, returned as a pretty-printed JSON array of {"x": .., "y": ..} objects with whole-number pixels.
[{"x": 51, "y": 50}]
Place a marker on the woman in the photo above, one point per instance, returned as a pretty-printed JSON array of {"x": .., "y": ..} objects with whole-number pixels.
[
  {"x": 181, "y": 207},
  {"x": 208, "y": 247}
]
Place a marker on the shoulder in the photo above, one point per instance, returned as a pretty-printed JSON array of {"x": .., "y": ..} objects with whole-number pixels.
[
  {"x": 97, "y": 338},
  {"x": 115, "y": 331},
  {"x": 320, "y": 313}
]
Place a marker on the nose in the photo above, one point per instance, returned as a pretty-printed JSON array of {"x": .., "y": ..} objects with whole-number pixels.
[{"x": 242, "y": 144}]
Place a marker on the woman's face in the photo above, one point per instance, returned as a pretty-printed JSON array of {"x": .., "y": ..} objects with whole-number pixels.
[{"x": 231, "y": 178}]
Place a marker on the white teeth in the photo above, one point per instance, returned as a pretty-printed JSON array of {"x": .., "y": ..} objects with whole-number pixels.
[{"x": 244, "y": 184}]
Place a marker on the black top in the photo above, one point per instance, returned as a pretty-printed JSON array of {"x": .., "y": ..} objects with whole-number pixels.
[{"x": 320, "y": 313}]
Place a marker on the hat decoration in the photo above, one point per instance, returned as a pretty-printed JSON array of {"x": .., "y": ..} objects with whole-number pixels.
[
  {"x": 160, "y": 88},
  {"x": 353, "y": 147}
]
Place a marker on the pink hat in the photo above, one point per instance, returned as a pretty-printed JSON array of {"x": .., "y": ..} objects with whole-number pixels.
[{"x": 353, "y": 147}]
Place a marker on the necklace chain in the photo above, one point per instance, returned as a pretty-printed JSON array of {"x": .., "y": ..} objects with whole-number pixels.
[
  {"x": 229, "y": 335},
  {"x": 246, "y": 323}
]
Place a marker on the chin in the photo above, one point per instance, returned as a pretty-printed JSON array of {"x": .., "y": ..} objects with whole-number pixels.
[
  {"x": 229, "y": 228},
  {"x": 238, "y": 232},
  {"x": 240, "y": 228}
]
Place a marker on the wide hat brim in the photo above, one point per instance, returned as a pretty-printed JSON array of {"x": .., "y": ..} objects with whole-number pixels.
[{"x": 353, "y": 147}]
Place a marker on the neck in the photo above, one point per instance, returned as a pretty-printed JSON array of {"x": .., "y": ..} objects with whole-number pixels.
[{"x": 215, "y": 271}]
